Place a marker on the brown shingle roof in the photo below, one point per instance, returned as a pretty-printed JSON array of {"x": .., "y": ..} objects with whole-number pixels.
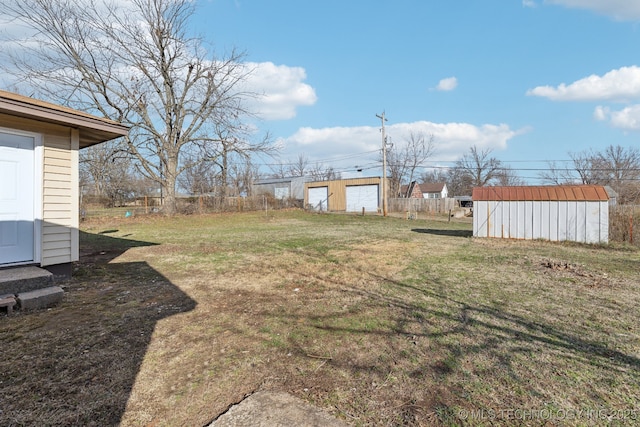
[
  {"x": 542, "y": 193},
  {"x": 432, "y": 187}
]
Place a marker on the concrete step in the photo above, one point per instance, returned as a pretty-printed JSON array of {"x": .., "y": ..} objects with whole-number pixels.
[
  {"x": 41, "y": 298},
  {"x": 24, "y": 279}
]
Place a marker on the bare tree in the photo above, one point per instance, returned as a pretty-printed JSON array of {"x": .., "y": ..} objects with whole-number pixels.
[
  {"x": 233, "y": 146},
  {"x": 107, "y": 170},
  {"x": 508, "y": 177},
  {"x": 403, "y": 160},
  {"x": 300, "y": 166},
  {"x": 320, "y": 172},
  {"x": 241, "y": 177},
  {"x": 583, "y": 165},
  {"x": 458, "y": 183},
  {"x": 475, "y": 169},
  {"x": 619, "y": 168},
  {"x": 199, "y": 178},
  {"x": 434, "y": 176},
  {"x": 134, "y": 63},
  {"x": 557, "y": 175},
  {"x": 615, "y": 166}
]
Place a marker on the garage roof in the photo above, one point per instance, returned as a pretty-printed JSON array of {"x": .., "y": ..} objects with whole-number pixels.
[
  {"x": 542, "y": 193},
  {"x": 93, "y": 129}
]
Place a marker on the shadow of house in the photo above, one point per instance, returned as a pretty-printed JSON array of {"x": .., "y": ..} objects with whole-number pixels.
[
  {"x": 86, "y": 352},
  {"x": 438, "y": 232}
]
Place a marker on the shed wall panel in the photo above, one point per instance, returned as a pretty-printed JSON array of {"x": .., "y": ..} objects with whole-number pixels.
[
  {"x": 513, "y": 220},
  {"x": 574, "y": 220},
  {"x": 562, "y": 220},
  {"x": 500, "y": 219},
  {"x": 528, "y": 219},
  {"x": 581, "y": 222},
  {"x": 553, "y": 220},
  {"x": 480, "y": 219}
]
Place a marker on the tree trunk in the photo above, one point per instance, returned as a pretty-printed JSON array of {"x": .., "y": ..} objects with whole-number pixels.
[{"x": 169, "y": 184}]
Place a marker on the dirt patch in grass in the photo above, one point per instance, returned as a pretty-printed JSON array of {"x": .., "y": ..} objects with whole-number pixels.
[{"x": 379, "y": 321}]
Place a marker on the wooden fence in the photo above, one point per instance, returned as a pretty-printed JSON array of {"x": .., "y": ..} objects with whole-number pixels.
[{"x": 422, "y": 205}]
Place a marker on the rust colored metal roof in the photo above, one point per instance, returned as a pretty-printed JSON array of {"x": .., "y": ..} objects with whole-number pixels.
[{"x": 542, "y": 193}]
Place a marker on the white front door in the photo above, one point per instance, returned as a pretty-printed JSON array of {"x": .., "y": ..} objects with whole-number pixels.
[{"x": 17, "y": 158}]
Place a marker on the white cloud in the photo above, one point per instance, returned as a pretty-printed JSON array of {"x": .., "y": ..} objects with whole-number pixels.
[
  {"x": 620, "y": 84},
  {"x": 529, "y": 3},
  {"x": 345, "y": 147},
  {"x": 282, "y": 90},
  {"x": 622, "y": 10},
  {"x": 627, "y": 119},
  {"x": 450, "y": 83},
  {"x": 601, "y": 113}
]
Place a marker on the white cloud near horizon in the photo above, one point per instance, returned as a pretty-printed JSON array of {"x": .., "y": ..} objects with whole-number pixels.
[
  {"x": 448, "y": 84},
  {"x": 616, "y": 85},
  {"x": 621, "y": 10},
  {"x": 362, "y": 144}
]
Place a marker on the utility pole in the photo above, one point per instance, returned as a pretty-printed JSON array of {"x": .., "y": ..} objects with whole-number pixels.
[{"x": 384, "y": 165}]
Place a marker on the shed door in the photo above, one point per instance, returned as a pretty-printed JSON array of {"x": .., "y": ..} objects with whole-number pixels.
[
  {"x": 318, "y": 198},
  {"x": 16, "y": 198},
  {"x": 362, "y": 196}
]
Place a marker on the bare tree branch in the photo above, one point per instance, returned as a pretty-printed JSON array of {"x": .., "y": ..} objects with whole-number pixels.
[{"x": 135, "y": 63}]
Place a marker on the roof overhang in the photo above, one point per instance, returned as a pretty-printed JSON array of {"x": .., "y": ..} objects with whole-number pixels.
[{"x": 93, "y": 129}]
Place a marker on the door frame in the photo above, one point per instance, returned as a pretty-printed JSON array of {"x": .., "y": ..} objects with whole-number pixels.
[{"x": 38, "y": 170}]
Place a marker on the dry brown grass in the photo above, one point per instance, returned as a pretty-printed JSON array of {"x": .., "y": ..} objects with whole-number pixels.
[{"x": 380, "y": 321}]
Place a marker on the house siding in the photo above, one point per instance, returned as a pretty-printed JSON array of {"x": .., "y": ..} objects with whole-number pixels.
[{"x": 60, "y": 198}]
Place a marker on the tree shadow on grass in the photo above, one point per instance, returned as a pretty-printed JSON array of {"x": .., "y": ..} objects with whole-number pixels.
[
  {"x": 430, "y": 336},
  {"x": 76, "y": 363},
  {"x": 440, "y": 232}
]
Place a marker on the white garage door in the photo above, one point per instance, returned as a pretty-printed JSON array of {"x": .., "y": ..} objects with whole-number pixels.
[
  {"x": 318, "y": 198},
  {"x": 16, "y": 198},
  {"x": 362, "y": 196}
]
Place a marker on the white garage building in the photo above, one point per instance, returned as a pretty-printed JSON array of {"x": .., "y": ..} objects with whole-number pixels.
[{"x": 578, "y": 213}]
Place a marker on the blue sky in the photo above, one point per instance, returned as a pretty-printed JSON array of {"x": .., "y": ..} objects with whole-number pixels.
[{"x": 532, "y": 80}]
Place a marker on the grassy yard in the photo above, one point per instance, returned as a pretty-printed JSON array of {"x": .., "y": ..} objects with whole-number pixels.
[{"x": 380, "y": 321}]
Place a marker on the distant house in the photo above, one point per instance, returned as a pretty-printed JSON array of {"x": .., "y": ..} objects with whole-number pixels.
[
  {"x": 39, "y": 196},
  {"x": 424, "y": 191},
  {"x": 578, "y": 213}
]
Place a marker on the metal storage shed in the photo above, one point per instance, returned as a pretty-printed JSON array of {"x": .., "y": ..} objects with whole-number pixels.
[
  {"x": 281, "y": 188},
  {"x": 578, "y": 213}
]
